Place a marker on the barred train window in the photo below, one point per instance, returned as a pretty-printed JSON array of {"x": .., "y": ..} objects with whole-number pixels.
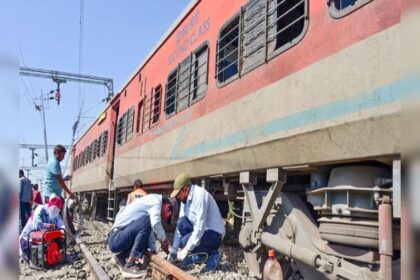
[
  {"x": 90, "y": 152},
  {"x": 120, "y": 129},
  {"x": 125, "y": 127},
  {"x": 156, "y": 104},
  {"x": 130, "y": 124},
  {"x": 340, "y": 8},
  {"x": 98, "y": 146},
  {"x": 199, "y": 77},
  {"x": 188, "y": 82},
  {"x": 171, "y": 93},
  {"x": 262, "y": 30},
  {"x": 146, "y": 115},
  {"x": 95, "y": 143},
  {"x": 140, "y": 112},
  {"x": 228, "y": 52},
  {"x": 104, "y": 142},
  {"x": 86, "y": 155},
  {"x": 81, "y": 159}
]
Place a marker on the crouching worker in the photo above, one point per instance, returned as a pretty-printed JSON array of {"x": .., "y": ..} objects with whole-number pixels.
[
  {"x": 44, "y": 217},
  {"x": 130, "y": 234},
  {"x": 200, "y": 227}
]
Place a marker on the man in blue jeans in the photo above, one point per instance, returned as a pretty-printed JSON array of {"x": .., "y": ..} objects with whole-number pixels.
[
  {"x": 25, "y": 199},
  {"x": 130, "y": 234},
  {"x": 200, "y": 227}
]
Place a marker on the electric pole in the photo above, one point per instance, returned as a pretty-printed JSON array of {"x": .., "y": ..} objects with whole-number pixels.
[
  {"x": 33, "y": 155},
  {"x": 45, "y": 126}
]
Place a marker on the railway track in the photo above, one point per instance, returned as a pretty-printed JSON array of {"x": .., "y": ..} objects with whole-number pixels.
[
  {"x": 160, "y": 268},
  {"x": 90, "y": 258},
  {"x": 93, "y": 247}
]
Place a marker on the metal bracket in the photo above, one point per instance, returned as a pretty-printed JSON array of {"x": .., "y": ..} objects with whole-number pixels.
[
  {"x": 225, "y": 187},
  {"x": 205, "y": 183},
  {"x": 259, "y": 214}
]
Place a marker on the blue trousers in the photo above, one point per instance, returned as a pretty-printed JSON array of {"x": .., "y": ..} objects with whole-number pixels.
[
  {"x": 131, "y": 240},
  {"x": 25, "y": 213},
  {"x": 209, "y": 242}
]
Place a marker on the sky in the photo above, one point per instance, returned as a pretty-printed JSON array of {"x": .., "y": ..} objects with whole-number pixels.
[{"x": 117, "y": 36}]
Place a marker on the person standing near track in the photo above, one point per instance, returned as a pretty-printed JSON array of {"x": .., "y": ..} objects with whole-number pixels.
[
  {"x": 25, "y": 199},
  {"x": 54, "y": 182}
]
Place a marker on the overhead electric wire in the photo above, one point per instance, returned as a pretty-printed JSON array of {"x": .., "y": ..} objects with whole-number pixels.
[
  {"x": 80, "y": 94},
  {"x": 23, "y": 81}
]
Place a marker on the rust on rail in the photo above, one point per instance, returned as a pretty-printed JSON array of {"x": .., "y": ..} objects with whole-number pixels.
[{"x": 164, "y": 270}]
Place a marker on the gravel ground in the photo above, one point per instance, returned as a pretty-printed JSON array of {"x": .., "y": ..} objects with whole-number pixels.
[
  {"x": 75, "y": 268},
  {"x": 231, "y": 266}
]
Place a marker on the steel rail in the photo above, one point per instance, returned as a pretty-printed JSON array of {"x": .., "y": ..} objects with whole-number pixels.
[
  {"x": 164, "y": 268},
  {"x": 95, "y": 267}
]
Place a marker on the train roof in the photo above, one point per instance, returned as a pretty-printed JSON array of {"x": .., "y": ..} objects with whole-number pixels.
[{"x": 162, "y": 40}]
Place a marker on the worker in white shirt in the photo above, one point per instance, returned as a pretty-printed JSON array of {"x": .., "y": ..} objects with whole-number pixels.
[
  {"x": 129, "y": 236},
  {"x": 200, "y": 227}
]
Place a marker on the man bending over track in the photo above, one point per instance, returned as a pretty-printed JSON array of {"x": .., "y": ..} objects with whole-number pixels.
[
  {"x": 129, "y": 236},
  {"x": 200, "y": 227}
]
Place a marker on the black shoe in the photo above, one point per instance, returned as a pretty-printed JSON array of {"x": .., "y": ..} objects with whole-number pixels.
[{"x": 132, "y": 270}]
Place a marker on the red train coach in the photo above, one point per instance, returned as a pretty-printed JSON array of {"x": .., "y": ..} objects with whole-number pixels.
[{"x": 240, "y": 93}]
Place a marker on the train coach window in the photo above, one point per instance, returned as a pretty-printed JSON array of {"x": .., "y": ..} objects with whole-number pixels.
[
  {"x": 104, "y": 142},
  {"x": 183, "y": 86},
  {"x": 227, "y": 65},
  {"x": 119, "y": 130},
  {"x": 287, "y": 23},
  {"x": 188, "y": 82},
  {"x": 89, "y": 158},
  {"x": 253, "y": 29},
  {"x": 92, "y": 151},
  {"x": 86, "y": 157},
  {"x": 130, "y": 124},
  {"x": 262, "y": 30},
  {"x": 156, "y": 104},
  {"x": 85, "y": 153},
  {"x": 340, "y": 8},
  {"x": 199, "y": 77},
  {"x": 147, "y": 113},
  {"x": 98, "y": 147},
  {"x": 81, "y": 159},
  {"x": 151, "y": 108},
  {"x": 95, "y": 143},
  {"x": 171, "y": 93},
  {"x": 125, "y": 127},
  {"x": 140, "y": 117}
]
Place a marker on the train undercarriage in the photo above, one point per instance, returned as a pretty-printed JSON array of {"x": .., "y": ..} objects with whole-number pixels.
[
  {"x": 342, "y": 223},
  {"x": 330, "y": 221}
]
